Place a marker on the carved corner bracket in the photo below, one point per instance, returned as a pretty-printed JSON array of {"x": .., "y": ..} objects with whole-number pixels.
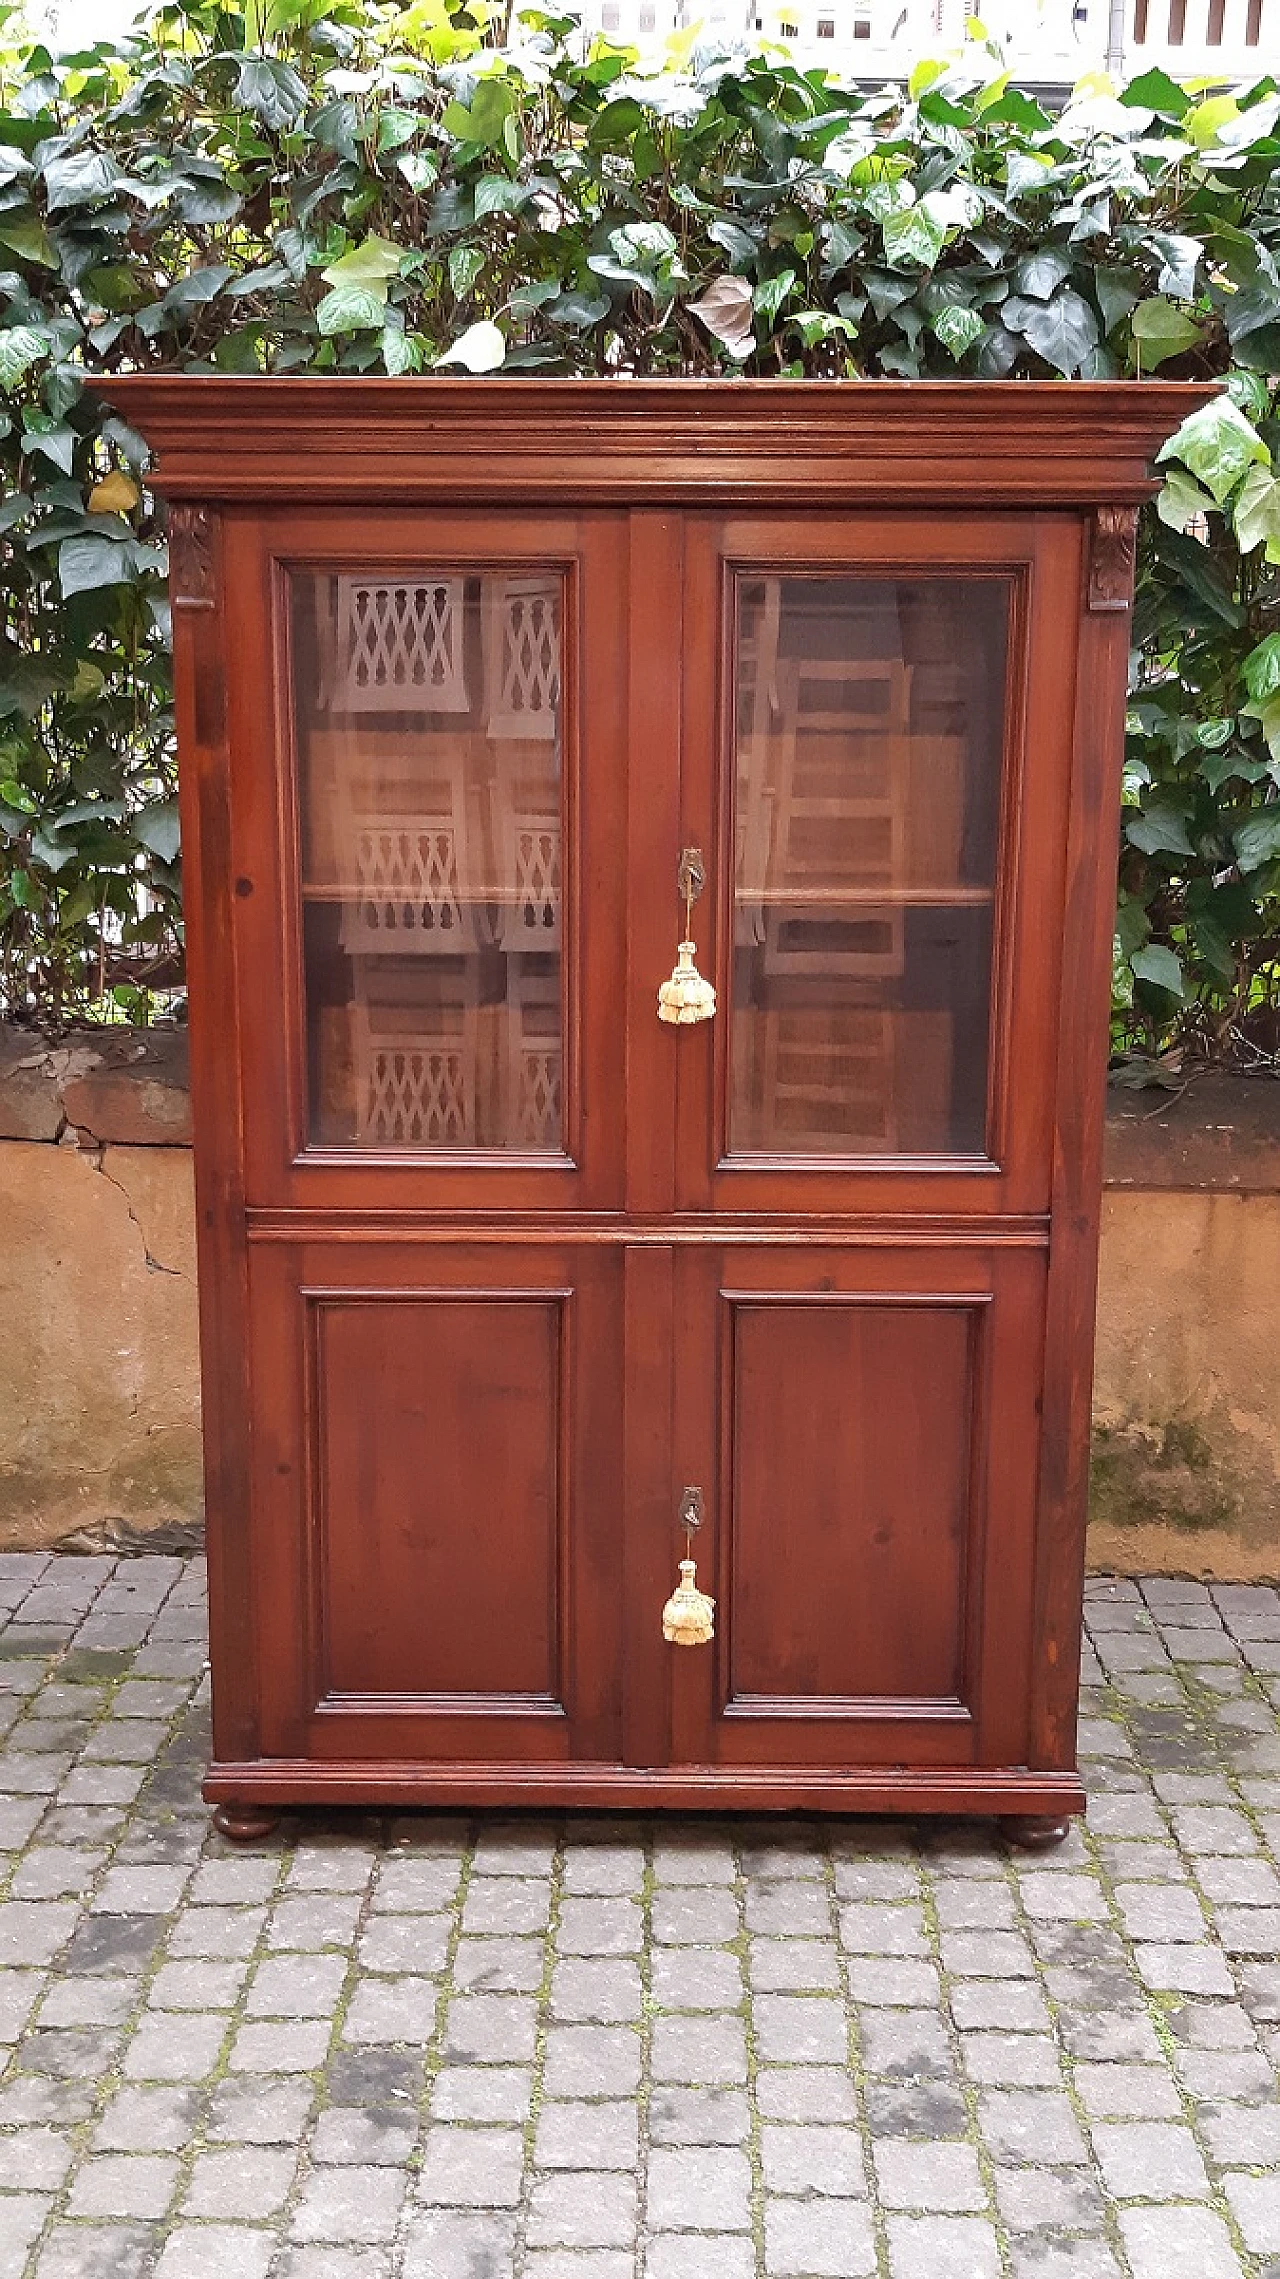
[
  {"x": 1113, "y": 542},
  {"x": 193, "y": 548}
]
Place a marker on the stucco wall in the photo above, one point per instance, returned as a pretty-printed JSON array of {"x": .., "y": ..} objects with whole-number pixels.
[{"x": 99, "y": 1398}]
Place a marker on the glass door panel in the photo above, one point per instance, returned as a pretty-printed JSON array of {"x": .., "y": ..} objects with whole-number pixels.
[
  {"x": 429, "y": 739},
  {"x": 869, "y": 729}
]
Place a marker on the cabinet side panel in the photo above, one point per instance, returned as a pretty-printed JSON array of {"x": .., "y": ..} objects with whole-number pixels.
[
  {"x": 1088, "y": 925},
  {"x": 208, "y": 554}
]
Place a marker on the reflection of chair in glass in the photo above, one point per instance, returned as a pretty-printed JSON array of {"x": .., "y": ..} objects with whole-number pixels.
[
  {"x": 534, "y": 1058},
  {"x": 415, "y": 1074},
  {"x": 521, "y": 636},
  {"x": 525, "y": 812},
  {"x": 400, "y": 646},
  {"x": 408, "y": 879},
  {"x": 842, "y": 754},
  {"x": 828, "y": 1079}
]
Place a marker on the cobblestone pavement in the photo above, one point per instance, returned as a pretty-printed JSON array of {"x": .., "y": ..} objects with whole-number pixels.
[{"x": 429, "y": 2048}]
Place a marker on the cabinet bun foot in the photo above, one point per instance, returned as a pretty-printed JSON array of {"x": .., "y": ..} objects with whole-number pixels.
[
  {"x": 1036, "y": 1831},
  {"x": 245, "y": 1823}
]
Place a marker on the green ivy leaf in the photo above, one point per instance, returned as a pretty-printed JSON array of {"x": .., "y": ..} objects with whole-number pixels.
[
  {"x": 1158, "y": 964},
  {"x": 1064, "y": 330},
  {"x": 84, "y": 564},
  {"x": 958, "y": 329},
  {"x": 482, "y": 348},
  {"x": 21, "y": 348},
  {"x": 1180, "y": 500},
  {"x": 913, "y": 235},
  {"x": 1218, "y": 444},
  {"x": 352, "y": 308},
  {"x": 156, "y": 827},
  {"x": 1159, "y": 829},
  {"x": 1260, "y": 671},
  {"x": 1256, "y": 514},
  {"x": 1161, "y": 331}
]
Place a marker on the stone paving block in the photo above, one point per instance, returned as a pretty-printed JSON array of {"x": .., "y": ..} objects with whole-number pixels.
[
  {"x": 298, "y": 2047},
  {"x": 1027, "y": 2061},
  {"x": 1150, "y": 1912},
  {"x": 585, "y": 1990},
  {"x": 506, "y": 1905},
  {"x": 935, "y": 2177},
  {"x": 471, "y": 2167},
  {"x": 800, "y": 2029},
  {"x": 389, "y": 2010},
  {"x": 214, "y": 2251},
  {"x": 482, "y": 2093},
  {"x": 123, "y": 2184},
  {"x": 348, "y": 2204},
  {"x": 704, "y": 2116},
  {"x": 246, "y": 2184},
  {"x": 1048, "y": 2199},
  {"x": 1255, "y": 2204},
  {"x": 580, "y": 2135},
  {"x": 314, "y": 1920},
  {"x": 1149, "y": 2160},
  {"x": 868, "y": 1927},
  {"x": 172, "y": 2048},
  {"x": 813, "y": 2159},
  {"x": 249, "y": 2111},
  {"x": 442, "y": 2244},
  {"x": 781, "y": 1966},
  {"x": 817, "y": 2239},
  {"x": 579, "y": 2208},
  {"x": 697, "y": 1978},
  {"x": 1049, "y": 2258},
  {"x": 606, "y": 1926},
  {"x": 698, "y": 2188},
  {"x": 892, "y": 1984},
  {"x": 678, "y": 2255},
  {"x": 592, "y": 2061},
  {"x": 710, "y": 2050},
  {"x": 301, "y": 1986},
  {"x": 915, "y": 2109},
  {"x": 1240, "y": 2135},
  {"x": 147, "y": 2120},
  {"x": 96, "y": 2251},
  {"x": 35, "y": 2160},
  {"x": 499, "y": 1965},
  {"x": 364, "y": 2136},
  {"x": 906, "y": 2045},
  {"x": 1013, "y": 2008},
  {"x": 334, "y": 2263},
  {"x": 692, "y": 1916},
  {"x": 942, "y": 2247},
  {"x": 1129, "y": 2092},
  {"x": 1184, "y": 1969},
  {"x": 1178, "y": 2243},
  {"x": 1030, "y": 2125}
]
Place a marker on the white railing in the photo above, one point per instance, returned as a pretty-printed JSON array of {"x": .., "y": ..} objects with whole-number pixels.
[{"x": 1049, "y": 41}]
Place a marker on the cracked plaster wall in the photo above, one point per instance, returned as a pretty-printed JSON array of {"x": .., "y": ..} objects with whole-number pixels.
[{"x": 99, "y": 1374}]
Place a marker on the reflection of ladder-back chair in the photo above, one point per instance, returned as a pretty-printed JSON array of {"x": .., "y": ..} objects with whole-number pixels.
[
  {"x": 534, "y": 1058},
  {"x": 828, "y": 1079},
  {"x": 520, "y": 624},
  {"x": 840, "y": 806},
  {"x": 410, "y": 883},
  {"x": 400, "y": 645},
  {"x": 416, "y": 1074}
]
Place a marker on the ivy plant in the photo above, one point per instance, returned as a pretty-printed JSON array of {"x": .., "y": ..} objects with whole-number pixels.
[{"x": 355, "y": 187}]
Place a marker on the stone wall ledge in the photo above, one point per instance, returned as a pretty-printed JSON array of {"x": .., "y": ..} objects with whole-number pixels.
[
  {"x": 122, "y": 1087},
  {"x": 128, "y": 1087}
]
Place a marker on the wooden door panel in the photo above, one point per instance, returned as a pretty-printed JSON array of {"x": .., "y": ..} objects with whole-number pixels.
[
  {"x": 436, "y": 1467},
  {"x": 888, "y": 836},
  {"x": 441, "y": 1502},
  {"x": 849, "y": 1437},
  {"x": 864, "y": 1419},
  {"x": 430, "y": 832}
]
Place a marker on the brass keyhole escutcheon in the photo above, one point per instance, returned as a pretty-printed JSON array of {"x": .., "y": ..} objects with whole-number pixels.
[
  {"x": 686, "y": 998},
  {"x": 688, "y": 1618}
]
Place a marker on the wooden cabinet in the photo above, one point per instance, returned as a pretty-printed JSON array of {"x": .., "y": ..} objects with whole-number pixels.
[{"x": 496, "y": 1265}]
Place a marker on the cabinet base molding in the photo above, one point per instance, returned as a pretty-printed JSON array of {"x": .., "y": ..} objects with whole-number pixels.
[{"x": 1019, "y": 1798}]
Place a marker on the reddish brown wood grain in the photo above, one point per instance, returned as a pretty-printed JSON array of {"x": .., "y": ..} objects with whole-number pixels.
[{"x": 451, "y": 1402}]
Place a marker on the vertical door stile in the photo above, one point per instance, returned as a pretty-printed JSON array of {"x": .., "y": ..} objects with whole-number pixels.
[{"x": 655, "y": 554}]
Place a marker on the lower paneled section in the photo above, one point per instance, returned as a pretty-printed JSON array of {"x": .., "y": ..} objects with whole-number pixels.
[
  {"x": 851, "y": 1422},
  {"x": 441, "y": 1493},
  {"x": 437, "y": 1488}
]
